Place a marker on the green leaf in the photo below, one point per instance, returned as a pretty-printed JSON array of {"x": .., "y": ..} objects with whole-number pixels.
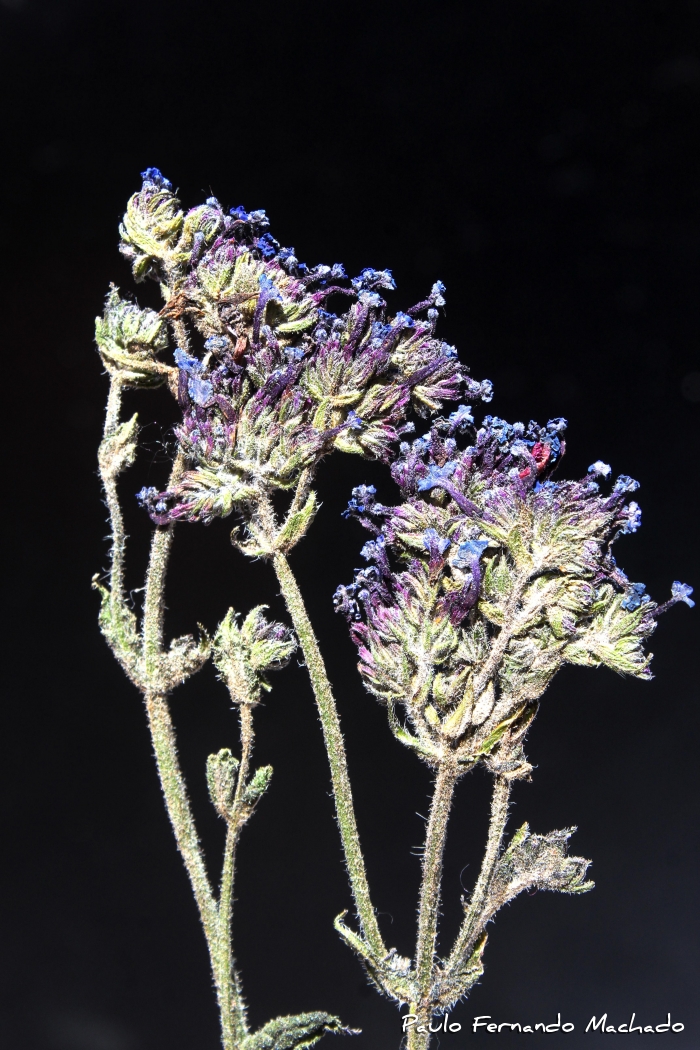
[
  {"x": 120, "y": 628},
  {"x": 222, "y": 774},
  {"x": 294, "y": 1033},
  {"x": 296, "y": 525},
  {"x": 257, "y": 785},
  {"x": 118, "y": 450},
  {"x": 462, "y": 976},
  {"x": 537, "y": 862}
]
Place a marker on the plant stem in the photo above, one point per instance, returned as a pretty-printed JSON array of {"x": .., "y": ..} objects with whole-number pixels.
[
  {"x": 335, "y": 747},
  {"x": 173, "y": 785},
  {"x": 232, "y": 1006},
  {"x": 471, "y": 926},
  {"x": 429, "y": 907},
  {"x": 109, "y": 481},
  {"x": 179, "y": 811}
]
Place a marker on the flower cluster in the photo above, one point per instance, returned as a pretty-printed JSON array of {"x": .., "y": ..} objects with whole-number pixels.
[
  {"x": 485, "y": 579},
  {"x": 280, "y": 380}
]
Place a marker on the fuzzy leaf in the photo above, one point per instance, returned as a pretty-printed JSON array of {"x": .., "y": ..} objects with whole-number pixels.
[
  {"x": 257, "y": 785},
  {"x": 222, "y": 774},
  {"x": 392, "y": 973},
  {"x": 118, "y": 450},
  {"x": 294, "y": 1033},
  {"x": 537, "y": 862},
  {"x": 456, "y": 982},
  {"x": 296, "y": 525},
  {"x": 120, "y": 629},
  {"x": 183, "y": 659}
]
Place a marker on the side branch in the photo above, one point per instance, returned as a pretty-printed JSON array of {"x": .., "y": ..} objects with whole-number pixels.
[
  {"x": 180, "y": 813},
  {"x": 335, "y": 746},
  {"x": 471, "y": 925}
]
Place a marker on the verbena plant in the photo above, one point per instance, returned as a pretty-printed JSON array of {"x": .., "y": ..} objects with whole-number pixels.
[{"x": 481, "y": 582}]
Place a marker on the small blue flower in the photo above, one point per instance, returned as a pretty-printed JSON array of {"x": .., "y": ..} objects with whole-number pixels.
[
  {"x": 146, "y": 495},
  {"x": 482, "y": 390},
  {"x": 436, "y": 477},
  {"x": 437, "y": 293},
  {"x": 240, "y": 213},
  {"x": 200, "y": 390},
  {"x": 633, "y": 519},
  {"x": 373, "y": 549},
  {"x": 156, "y": 178},
  {"x": 362, "y": 500},
  {"x": 635, "y": 597},
  {"x": 267, "y": 245},
  {"x": 370, "y": 299},
  {"x": 270, "y": 290},
  {"x": 186, "y": 363},
  {"x": 461, "y": 418},
  {"x": 467, "y": 551},
  {"x": 600, "y": 469},
  {"x": 681, "y": 592},
  {"x": 217, "y": 343},
  {"x": 370, "y": 279},
  {"x": 626, "y": 484},
  {"x": 420, "y": 445},
  {"x": 259, "y": 218},
  {"x": 354, "y": 421},
  {"x": 212, "y": 202},
  {"x": 287, "y": 259},
  {"x": 403, "y": 321},
  {"x": 434, "y": 543}
]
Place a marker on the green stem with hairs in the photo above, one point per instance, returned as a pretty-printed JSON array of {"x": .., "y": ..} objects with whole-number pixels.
[
  {"x": 471, "y": 925},
  {"x": 335, "y": 746},
  {"x": 232, "y": 1005},
  {"x": 429, "y": 907}
]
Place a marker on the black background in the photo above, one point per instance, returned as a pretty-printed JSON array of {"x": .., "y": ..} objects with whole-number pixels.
[{"x": 541, "y": 158}]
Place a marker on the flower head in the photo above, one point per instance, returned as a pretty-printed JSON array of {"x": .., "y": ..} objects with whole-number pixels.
[
  {"x": 489, "y": 576},
  {"x": 284, "y": 381}
]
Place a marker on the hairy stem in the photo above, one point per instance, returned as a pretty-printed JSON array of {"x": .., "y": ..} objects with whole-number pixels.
[
  {"x": 109, "y": 481},
  {"x": 173, "y": 785},
  {"x": 179, "y": 811},
  {"x": 232, "y": 1006},
  {"x": 429, "y": 907},
  {"x": 335, "y": 746},
  {"x": 471, "y": 925}
]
